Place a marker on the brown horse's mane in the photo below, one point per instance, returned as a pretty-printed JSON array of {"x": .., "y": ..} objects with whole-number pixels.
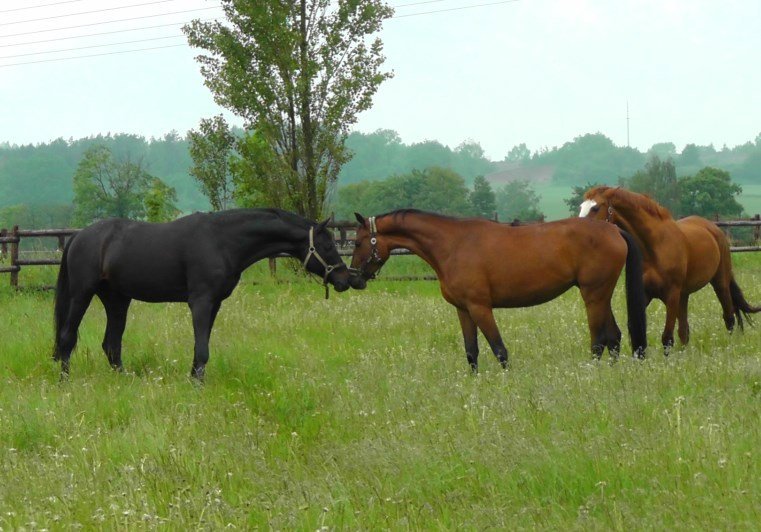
[
  {"x": 642, "y": 202},
  {"x": 404, "y": 212}
]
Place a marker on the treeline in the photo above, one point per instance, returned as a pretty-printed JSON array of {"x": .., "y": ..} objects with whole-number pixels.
[{"x": 36, "y": 181}]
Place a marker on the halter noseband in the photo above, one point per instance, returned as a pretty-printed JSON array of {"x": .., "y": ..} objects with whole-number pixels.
[
  {"x": 374, "y": 257},
  {"x": 328, "y": 267}
]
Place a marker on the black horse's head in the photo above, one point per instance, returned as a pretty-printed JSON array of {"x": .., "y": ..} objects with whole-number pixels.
[
  {"x": 370, "y": 253},
  {"x": 321, "y": 257}
]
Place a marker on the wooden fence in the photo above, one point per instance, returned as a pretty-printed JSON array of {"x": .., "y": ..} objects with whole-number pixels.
[{"x": 10, "y": 242}]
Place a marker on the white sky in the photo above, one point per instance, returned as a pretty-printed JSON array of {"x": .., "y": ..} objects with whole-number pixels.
[{"x": 534, "y": 71}]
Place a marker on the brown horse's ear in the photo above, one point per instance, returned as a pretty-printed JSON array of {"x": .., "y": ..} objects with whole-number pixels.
[{"x": 360, "y": 218}]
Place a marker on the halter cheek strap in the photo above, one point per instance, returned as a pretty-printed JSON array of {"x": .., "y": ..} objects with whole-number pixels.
[
  {"x": 610, "y": 213},
  {"x": 314, "y": 253}
]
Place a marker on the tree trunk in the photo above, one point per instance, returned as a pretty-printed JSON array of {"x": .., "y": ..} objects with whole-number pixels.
[{"x": 306, "y": 120}]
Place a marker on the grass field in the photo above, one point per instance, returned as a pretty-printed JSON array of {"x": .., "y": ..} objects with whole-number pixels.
[
  {"x": 552, "y": 196},
  {"x": 359, "y": 413}
]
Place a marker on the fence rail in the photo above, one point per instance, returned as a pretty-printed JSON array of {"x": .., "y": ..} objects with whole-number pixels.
[{"x": 10, "y": 241}]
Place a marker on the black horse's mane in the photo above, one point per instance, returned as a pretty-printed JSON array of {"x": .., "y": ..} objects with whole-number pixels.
[{"x": 286, "y": 216}]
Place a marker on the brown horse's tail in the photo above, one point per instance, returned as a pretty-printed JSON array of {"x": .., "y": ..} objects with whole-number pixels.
[
  {"x": 636, "y": 302},
  {"x": 62, "y": 300},
  {"x": 741, "y": 306}
]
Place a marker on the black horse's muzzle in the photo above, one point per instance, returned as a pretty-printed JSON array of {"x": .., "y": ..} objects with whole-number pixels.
[{"x": 341, "y": 279}]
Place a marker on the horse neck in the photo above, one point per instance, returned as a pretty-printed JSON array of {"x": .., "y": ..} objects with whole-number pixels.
[
  {"x": 253, "y": 236},
  {"x": 641, "y": 224},
  {"x": 426, "y": 236}
]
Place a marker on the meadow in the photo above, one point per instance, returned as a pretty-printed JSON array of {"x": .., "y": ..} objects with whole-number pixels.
[{"x": 359, "y": 412}]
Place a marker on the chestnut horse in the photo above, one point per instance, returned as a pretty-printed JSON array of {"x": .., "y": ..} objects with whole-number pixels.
[
  {"x": 483, "y": 265},
  {"x": 679, "y": 257}
]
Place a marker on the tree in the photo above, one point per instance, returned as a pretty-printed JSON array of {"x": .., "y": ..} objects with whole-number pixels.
[
  {"x": 577, "y": 197},
  {"x": 664, "y": 150},
  {"x": 160, "y": 202},
  {"x": 211, "y": 147},
  {"x": 482, "y": 198},
  {"x": 104, "y": 187},
  {"x": 518, "y": 200},
  {"x": 658, "y": 181},
  {"x": 690, "y": 156},
  {"x": 298, "y": 72},
  {"x": 518, "y": 154},
  {"x": 708, "y": 193}
]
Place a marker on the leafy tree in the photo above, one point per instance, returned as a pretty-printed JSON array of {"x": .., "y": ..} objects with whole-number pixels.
[
  {"x": 664, "y": 150},
  {"x": 434, "y": 189},
  {"x": 211, "y": 147},
  {"x": 708, "y": 193},
  {"x": 518, "y": 200},
  {"x": 577, "y": 197},
  {"x": 160, "y": 202},
  {"x": 104, "y": 187},
  {"x": 519, "y": 153},
  {"x": 658, "y": 180},
  {"x": 298, "y": 72},
  {"x": 591, "y": 157},
  {"x": 482, "y": 199},
  {"x": 690, "y": 156}
]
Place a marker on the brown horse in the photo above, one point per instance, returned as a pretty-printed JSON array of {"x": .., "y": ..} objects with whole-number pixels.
[
  {"x": 680, "y": 257},
  {"x": 482, "y": 265}
]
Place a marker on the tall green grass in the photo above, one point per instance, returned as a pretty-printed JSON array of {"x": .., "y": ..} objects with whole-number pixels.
[{"x": 360, "y": 412}]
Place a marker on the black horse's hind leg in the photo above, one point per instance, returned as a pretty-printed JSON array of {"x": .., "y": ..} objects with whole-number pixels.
[
  {"x": 69, "y": 330},
  {"x": 483, "y": 316},
  {"x": 470, "y": 337},
  {"x": 116, "y": 306},
  {"x": 204, "y": 313}
]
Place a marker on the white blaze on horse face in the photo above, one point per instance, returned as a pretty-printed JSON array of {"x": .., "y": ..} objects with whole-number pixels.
[{"x": 586, "y": 207}]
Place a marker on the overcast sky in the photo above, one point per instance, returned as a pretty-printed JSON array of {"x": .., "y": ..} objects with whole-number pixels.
[{"x": 533, "y": 71}]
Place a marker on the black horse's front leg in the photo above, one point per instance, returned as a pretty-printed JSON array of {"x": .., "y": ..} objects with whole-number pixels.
[{"x": 204, "y": 312}]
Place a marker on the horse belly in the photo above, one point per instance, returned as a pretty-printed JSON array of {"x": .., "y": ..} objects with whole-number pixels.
[
  {"x": 147, "y": 280},
  {"x": 527, "y": 292}
]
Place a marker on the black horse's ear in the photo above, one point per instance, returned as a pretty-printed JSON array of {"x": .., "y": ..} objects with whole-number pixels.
[
  {"x": 360, "y": 218},
  {"x": 323, "y": 224}
]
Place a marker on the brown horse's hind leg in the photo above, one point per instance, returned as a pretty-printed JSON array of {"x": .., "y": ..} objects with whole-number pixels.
[
  {"x": 684, "y": 325},
  {"x": 721, "y": 288},
  {"x": 600, "y": 319},
  {"x": 484, "y": 318},
  {"x": 470, "y": 337}
]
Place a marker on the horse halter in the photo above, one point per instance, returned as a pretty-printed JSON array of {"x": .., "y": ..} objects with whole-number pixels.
[
  {"x": 610, "y": 213},
  {"x": 328, "y": 267},
  {"x": 374, "y": 257}
]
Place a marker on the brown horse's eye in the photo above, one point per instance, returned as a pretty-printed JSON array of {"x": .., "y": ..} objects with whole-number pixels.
[
  {"x": 595, "y": 208},
  {"x": 357, "y": 243}
]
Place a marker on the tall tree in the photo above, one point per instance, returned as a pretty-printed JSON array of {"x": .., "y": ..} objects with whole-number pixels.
[
  {"x": 577, "y": 197},
  {"x": 298, "y": 72},
  {"x": 105, "y": 187},
  {"x": 659, "y": 181},
  {"x": 211, "y": 147},
  {"x": 160, "y": 201},
  {"x": 482, "y": 198},
  {"x": 518, "y": 200}
]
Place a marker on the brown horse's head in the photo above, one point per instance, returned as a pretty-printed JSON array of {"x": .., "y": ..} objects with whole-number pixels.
[
  {"x": 370, "y": 252},
  {"x": 596, "y": 203}
]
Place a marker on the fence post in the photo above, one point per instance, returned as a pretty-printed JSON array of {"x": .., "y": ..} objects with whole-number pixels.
[
  {"x": 61, "y": 242},
  {"x": 757, "y": 229},
  {"x": 273, "y": 267},
  {"x": 14, "y": 257}
]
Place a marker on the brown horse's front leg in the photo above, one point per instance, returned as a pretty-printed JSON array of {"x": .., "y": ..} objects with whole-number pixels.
[
  {"x": 672, "y": 311},
  {"x": 484, "y": 319},
  {"x": 470, "y": 337}
]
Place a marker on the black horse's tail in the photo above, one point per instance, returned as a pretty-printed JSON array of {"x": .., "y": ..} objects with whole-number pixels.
[
  {"x": 62, "y": 300},
  {"x": 636, "y": 303},
  {"x": 742, "y": 307}
]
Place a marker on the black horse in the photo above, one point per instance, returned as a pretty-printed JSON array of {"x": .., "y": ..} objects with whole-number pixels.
[{"x": 197, "y": 259}]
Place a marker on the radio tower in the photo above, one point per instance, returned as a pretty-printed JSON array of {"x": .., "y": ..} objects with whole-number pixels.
[{"x": 627, "y": 124}]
